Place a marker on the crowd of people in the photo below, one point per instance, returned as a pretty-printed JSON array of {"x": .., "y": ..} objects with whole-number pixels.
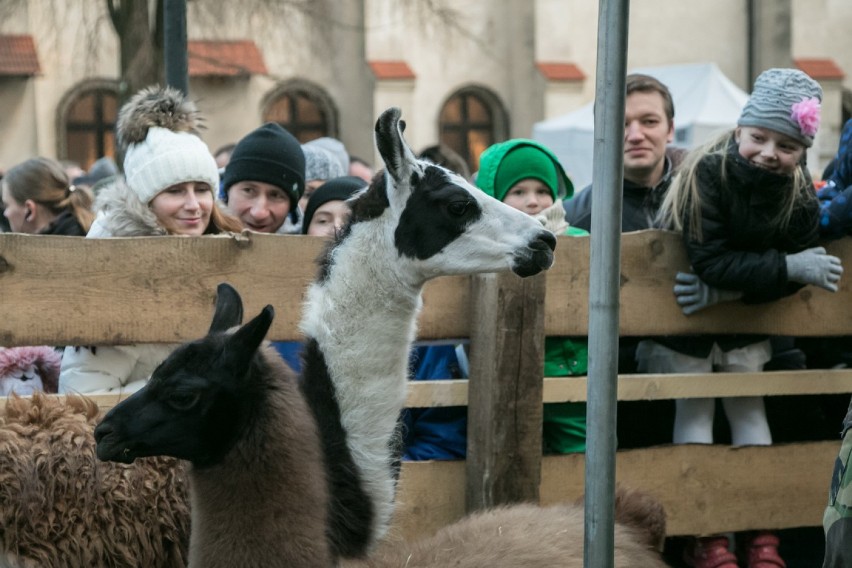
[{"x": 745, "y": 203}]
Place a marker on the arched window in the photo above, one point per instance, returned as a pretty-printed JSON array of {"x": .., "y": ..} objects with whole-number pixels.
[
  {"x": 87, "y": 123},
  {"x": 471, "y": 120},
  {"x": 304, "y": 109}
]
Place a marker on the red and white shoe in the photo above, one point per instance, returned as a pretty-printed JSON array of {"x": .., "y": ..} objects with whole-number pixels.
[
  {"x": 710, "y": 552},
  {"x": 761, "y": 551}
]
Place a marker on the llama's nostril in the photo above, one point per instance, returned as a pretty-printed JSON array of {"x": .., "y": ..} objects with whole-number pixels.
[
  {"x": 544, "y": 240},
  {"x": 102, "y": 430}
]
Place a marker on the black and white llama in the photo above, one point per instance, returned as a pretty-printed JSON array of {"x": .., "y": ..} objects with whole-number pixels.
[{"x": 416, "y": 222}]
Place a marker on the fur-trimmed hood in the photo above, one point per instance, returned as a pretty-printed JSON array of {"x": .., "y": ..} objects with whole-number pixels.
[{"x": 122, "y": 214}]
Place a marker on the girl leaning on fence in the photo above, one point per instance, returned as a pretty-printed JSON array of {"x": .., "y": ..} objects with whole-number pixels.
[{"x": 749, "y": 217}]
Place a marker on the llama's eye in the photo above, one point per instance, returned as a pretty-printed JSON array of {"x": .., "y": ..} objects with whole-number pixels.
[
  {"x": 183, "y": 400},
  {"x": 458, "y": 208}
]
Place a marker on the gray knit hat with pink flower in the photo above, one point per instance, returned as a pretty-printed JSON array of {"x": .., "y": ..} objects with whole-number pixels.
[{"x": 786, "y": 101}]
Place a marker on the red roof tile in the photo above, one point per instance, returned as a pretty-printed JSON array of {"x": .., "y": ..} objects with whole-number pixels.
[
  {"x": 209, "y": 58},
  {"x": 820, "y": 68},
  {"x": 392, "y": 70},
  {"x": 560, "y": 71},
  {"x": 18, "y": 56}
]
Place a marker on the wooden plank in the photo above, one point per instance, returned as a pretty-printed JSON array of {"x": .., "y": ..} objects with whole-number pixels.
[
  {"x": 649, "y": 261},
  {"x": 437, "y": 394},
  {"x": 705, "y": 489},
  {"x": 657, "y": 387},
  {"x": 505, "y": 391},
  {"x": 151, "y": 289},
  {"x": 160, "y": 289},
  {"x": 708, "y": 385}
]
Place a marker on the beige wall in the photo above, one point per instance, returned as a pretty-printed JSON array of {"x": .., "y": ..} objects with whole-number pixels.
[
  {"x": 821, "y": 28},
  {"x": 491, "y": 44},
  {"x": 661, "y": 32}
]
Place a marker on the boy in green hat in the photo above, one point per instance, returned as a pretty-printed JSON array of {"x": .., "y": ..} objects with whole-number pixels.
[{"x": 527, "y": 176}]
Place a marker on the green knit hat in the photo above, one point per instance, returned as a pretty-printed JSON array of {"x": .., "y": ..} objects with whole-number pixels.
[{"x": 504, "y": 164}]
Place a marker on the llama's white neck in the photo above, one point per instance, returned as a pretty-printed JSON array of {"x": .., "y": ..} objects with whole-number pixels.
[{"x": 363, "y": 317}]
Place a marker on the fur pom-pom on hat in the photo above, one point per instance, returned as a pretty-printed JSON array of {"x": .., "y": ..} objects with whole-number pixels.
[
  {"x": 158, "y": 130},
  {"x": 156, "y": 106}
]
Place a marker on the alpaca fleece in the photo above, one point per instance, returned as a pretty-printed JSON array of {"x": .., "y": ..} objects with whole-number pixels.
[
  {"x": 521, "y": 535},
  {"x": 60, "y": 506}
]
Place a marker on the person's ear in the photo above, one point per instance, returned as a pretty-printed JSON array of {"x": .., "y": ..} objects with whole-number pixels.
[{"x": 29, "y": 205}]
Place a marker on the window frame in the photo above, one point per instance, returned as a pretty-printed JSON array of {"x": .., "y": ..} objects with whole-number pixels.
[
  {"x": 315, "y": 95},
  {"x": 498, "y": 129},
  {"x": 101, "y": 126}
]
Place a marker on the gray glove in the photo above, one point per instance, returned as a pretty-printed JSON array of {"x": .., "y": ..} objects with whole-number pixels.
[
  {"x": 694, "y": 294},
  {"x": 814, "y": 266}
]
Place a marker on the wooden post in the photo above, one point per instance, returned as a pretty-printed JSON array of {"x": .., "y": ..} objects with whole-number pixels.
[{"x": 505, "y": 390}]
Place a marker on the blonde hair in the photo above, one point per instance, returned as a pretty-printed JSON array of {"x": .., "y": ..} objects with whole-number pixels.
[
  {"x": 683, "y": 199},
  {"x": 43, "y": 181}
]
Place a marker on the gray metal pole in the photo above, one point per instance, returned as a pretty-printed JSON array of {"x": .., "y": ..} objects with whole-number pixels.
[
  {"x": 174, "y": 44},
  {"x": 604, "y": 283}
]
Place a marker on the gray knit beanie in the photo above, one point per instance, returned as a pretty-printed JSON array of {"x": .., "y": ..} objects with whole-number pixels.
[
  {"x": 335, "y": 147},
  {"x": 320, "y": 163},
  {"x": 786, "y": 101}
]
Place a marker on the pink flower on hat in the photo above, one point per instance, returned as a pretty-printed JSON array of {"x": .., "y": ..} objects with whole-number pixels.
[{"x": 806, "y": 114}]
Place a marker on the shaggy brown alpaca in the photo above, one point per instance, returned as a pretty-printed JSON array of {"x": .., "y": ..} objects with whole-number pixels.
[{"x": 60, "y": 506}]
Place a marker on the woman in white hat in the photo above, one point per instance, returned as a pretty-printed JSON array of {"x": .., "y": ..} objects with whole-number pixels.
[{"x": 170, "y": 179}]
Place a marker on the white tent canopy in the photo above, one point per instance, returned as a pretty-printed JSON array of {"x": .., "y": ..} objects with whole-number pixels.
[{"x": 706, "y": 102}]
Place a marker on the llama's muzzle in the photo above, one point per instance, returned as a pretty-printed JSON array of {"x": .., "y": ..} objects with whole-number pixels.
[{"x": 537, "y": 256}]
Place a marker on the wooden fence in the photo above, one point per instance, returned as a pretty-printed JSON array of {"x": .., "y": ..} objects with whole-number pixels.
[{"x": 66, "y": 291}]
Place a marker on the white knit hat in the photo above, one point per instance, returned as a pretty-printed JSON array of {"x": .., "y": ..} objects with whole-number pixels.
[
  {"x": 158, "y": 129},
  {"x": 166, "y": 158}
]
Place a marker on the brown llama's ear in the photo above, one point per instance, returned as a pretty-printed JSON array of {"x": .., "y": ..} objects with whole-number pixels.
[
  {"x": 229, "y": 309},
  {"x": 241, "y": 346}
]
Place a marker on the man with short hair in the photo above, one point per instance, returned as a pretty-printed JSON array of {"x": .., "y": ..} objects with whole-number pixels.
[{"x": 648, "y": 129}]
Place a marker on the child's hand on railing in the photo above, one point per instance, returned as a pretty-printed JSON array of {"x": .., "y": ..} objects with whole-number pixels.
[
  {"x": 694, "y": 294},
  {"x": 814, "y": 266}
]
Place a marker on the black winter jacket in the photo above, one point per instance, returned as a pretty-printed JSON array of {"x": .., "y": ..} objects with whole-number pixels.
[
  {"x": 742, "y": 248},
  {"x": 640, "y": 204}
]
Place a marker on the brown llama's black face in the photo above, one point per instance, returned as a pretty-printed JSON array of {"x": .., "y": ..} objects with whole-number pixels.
[{"x": 198, "y": 400}]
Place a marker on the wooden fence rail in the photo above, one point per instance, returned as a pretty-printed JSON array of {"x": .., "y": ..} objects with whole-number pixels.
[{"x": 60, "y": 291}]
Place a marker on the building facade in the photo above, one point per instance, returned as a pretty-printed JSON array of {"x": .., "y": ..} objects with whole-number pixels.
[{"x": 467, "y": 74}]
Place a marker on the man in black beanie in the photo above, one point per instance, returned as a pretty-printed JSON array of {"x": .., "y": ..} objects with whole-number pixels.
[{"x": 265, "y": 178}]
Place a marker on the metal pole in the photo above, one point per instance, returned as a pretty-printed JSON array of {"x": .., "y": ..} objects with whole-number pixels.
[
  {"x": 174, "y": 44},
  {"x": 604, "y": 283}
]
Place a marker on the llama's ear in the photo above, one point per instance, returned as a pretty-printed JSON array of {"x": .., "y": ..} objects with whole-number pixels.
[
  {"x": 400, "y": 161},
  {"x": 242, "y": 344},
  {"x": 229, "y": 309}
]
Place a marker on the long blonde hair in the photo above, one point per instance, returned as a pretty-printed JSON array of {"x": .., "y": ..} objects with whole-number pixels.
[
  {"x": 45, "y": 182},
  {"x": 683, "y": 198}
]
